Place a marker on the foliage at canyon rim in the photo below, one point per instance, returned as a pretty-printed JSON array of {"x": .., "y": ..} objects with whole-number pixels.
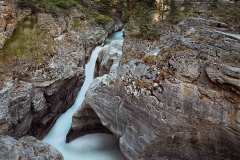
[
  {"x": 28, "y": 42},
  {"x": 144, "y": 19},
  {"x": 30, "y": 45}
]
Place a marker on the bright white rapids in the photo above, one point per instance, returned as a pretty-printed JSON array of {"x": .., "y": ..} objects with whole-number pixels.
[{"x": 93, "y": 146}]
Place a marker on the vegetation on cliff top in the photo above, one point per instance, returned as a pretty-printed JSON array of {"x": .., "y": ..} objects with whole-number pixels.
[
  {"x": 48, "y": 5},
  {"x": 29, "y": 46},
  {"x": 53, "y": 5},
  {"x": 146, "y": 20},
  {"x": 101, "y": 16}
]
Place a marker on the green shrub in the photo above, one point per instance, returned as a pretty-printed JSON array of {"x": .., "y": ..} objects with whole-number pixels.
[
  {"x": 54, "y": 6},
  {"x": 48, "y": 5},
  {"x": 102, "y": 19},
  {"x": 28, "y": 43}
]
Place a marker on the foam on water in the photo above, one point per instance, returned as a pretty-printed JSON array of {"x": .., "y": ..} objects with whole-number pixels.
[{"x": 89, "y": 147}]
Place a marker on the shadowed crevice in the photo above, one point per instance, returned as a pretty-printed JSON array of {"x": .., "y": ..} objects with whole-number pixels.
[{"x": 84, "y": 122}]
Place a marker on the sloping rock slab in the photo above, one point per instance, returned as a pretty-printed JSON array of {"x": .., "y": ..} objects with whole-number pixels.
[{"x": 27, "y": 148}]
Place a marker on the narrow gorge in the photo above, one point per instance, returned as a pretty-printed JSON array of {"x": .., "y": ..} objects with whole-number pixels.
[
  {"x": 98, "y": 146},
  {"x": 119, "y": 80}
]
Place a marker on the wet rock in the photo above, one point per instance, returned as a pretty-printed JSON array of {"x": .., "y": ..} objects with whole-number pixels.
[
  {"x": 85, "y": 120},
  {"x": 27, "y": 148},
  {"x": 52, "y": 100},
  {"x": 109, "y": 58}
]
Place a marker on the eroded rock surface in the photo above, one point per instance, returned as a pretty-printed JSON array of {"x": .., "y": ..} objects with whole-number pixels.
[
  {"x": 110, "y": 56},
  {"x": 85, "y": 122},
  {"x": 8, "y": 20},
  {"x": 27, "y": 148},
  {"x": 176, "y": 97},
  {"x": 40, "y": 79}
]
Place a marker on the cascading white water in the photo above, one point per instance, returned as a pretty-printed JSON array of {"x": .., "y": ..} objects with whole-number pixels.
[
  {"x": 90, "y": 147},
  {"x": 236, "y": 36}
]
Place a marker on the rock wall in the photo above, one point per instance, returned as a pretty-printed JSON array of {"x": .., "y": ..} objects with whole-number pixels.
[
  {"x": 7, "y": 20},
  {"x": 34, "y": 93},
  {"x": 27, "y": 148},
  {"x": 176, "y": 97},
  {"x": 85, "y": 120}
]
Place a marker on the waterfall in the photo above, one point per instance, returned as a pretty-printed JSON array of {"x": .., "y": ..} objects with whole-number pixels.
[{"x": 89, "y": 147}]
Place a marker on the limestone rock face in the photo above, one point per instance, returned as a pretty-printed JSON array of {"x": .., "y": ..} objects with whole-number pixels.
[
  {"x": 179, "y": 104},
  {"x": 225, "y": 75},
  {"x": 4, "y": 103},
  {"x": 33, "y": 94},
  {"x": 85, "y": 122},
  {"x": 20, "y": 107},
  {"x": 109, "y": 58},
  {"x": 27, "y": 148},
  {"x": 8, "y": 20}
]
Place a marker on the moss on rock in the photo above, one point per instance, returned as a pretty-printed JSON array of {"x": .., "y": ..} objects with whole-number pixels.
[
  {"x": 102, "y": 19},
  {"x": 28, "y": 43},
  {"x": 48, "y": 5}
]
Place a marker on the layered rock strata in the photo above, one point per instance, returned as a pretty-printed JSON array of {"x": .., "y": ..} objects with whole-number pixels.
[
  {"x": 7, "y": 20},
  {"x": 176, "y": 97},
  {"x": 27, "y": 148},
  {"x": 86, "y": 121},
  {"x": 39, "y": 85}
]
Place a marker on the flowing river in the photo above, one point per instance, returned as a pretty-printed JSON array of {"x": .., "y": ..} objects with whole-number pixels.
[{"x": 89, "y": 147}]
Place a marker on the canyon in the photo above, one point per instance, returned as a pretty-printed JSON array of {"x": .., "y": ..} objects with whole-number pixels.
[{"x": 164, "y": 86}]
